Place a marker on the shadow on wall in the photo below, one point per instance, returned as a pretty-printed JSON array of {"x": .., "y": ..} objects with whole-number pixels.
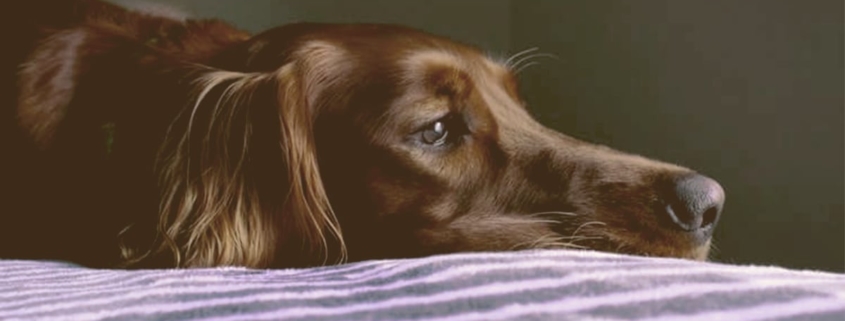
[
  {"x": 747, "y": 92},
  {"x": 484, "y": 23}
]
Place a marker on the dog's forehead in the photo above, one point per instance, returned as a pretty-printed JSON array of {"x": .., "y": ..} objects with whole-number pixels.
[
  {"x": 424, "y": 71},
  {"x": 384, "y": 46},
  {"x": 431, "y": 77},
  {"x": 416, "y": 64},
  {"x": 477, "y": 83}
]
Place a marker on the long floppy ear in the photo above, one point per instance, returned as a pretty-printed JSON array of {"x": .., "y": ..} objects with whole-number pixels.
[
  {"x": 48, "y": 82},
  {"x": 69, "y": 64},
  {"x": 239, "y": 179}
]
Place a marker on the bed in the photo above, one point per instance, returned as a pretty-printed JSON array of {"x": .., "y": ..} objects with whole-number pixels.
[{"x": 524, "y": 285}]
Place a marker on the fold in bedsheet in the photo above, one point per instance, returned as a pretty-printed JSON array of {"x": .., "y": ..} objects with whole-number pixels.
[{"x": 528, "y": 285}]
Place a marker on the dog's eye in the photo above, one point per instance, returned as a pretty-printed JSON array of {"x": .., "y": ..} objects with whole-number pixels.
[
  {"x": 443, "y": 131},
  {"x": 436, "y": 133}
]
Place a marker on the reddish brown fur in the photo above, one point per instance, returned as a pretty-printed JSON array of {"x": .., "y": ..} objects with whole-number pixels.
[{"x": 299, "y": 146}]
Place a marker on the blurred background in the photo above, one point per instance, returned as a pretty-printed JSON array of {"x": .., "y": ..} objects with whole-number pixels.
[{"x": 748, "y": 92}]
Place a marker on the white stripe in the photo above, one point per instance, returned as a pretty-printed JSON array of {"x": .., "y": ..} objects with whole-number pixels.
[
  {"x": 339, "y": 269},
  {"x": 212, "y": 275},
  {"x": 160, "y": 280},
  {"x": 36, "y": 263},
  {"x": 515, "y": 310},
  {"x": 71, "y": 283},
  {"x": 143, "y": 290},
  {"x": 357, "y": 273},
  {"x": 762, "y": 312},
  {"x": 96, "y": 277},
  {"x": 494, "y": 288},
  {"x": 411, "y": 264},
  {"x": 45, "y": 274},
  {"x": 134, "y": 292},
  {"x": 6, "y": 268},
  {"x": 174, "y": 277},
  {"x": 79, "y": 275}
]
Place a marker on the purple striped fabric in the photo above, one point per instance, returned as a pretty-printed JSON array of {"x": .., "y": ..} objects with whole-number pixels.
[{"x": 526, "y": 285}]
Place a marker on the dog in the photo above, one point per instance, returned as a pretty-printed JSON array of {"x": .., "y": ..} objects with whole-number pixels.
[{"x": 142, "y": 141}]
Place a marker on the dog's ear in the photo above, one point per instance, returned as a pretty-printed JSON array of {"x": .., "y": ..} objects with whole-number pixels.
[
  {"x": 48, "y": 83},
  {"x": 69, "y": 63},
  {"x": 307, "y": 221},
  {"x": 71, "y": 74},
  {"x": 239, "y": 177}
]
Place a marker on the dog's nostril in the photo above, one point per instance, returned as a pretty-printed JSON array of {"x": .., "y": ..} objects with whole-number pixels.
[
  {"x": 709, "y": 217},
  {"x": 696, "y": 202}
]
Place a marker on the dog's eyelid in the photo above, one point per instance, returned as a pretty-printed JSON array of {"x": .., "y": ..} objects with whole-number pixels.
[
  {"x": 425, "y": 120},
  {"x": 445, "y": 131},
  {"x": 450, "y": 119}
]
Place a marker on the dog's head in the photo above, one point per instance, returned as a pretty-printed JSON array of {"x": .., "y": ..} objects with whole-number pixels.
[{"x": 398, "y": 143}]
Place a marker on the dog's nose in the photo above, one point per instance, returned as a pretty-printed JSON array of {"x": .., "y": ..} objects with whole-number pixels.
[{"x": 696, "y": 203}]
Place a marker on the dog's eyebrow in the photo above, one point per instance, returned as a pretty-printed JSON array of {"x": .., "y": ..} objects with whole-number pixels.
[
  {"x": 428, "y": 110},
  {"x": 449, "y": 82},
  {"x": 418, "y": 65},
  {"x": 430, "y": 57},
  {"x": 504, "y": 75},
  {"x": 445, "y": 67}
]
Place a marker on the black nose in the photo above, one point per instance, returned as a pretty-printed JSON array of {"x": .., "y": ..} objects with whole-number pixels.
[{"x": 695, "y": 204}]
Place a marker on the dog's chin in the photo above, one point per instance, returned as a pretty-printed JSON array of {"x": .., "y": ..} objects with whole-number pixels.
[{"x": 699, "y": 251}]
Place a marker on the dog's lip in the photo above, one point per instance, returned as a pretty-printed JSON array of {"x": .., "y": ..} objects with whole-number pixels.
[
  {"x": 676, "y": 244},
  {"x": 699, "y": 236},
  {"x": 696, "y": 252}
]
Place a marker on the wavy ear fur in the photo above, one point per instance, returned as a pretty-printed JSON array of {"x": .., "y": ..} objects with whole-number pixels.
[{"x": 239, "y": 179}]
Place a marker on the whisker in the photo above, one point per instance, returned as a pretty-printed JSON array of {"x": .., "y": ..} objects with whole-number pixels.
[
  {"x": 527, "y": 244},
  {"x": 535, "y": 243},
  {"x": 552, "y": 213},
  {"x": 586, "y": 238},
  {"x": 620, "y": 248},
  {"x": 567, "y": 245},
  {"x": 520, "y": 69},
  {"x": 533, "y": 221},
  {"x": 585, "y": 225},
  {"x": 527, "y": 58},
  {"x": 545, "y": 239},
  {"x": 516, "y": 55},
  {"x": 556, "y": 241},
  {"x": 714, "y": 251}
]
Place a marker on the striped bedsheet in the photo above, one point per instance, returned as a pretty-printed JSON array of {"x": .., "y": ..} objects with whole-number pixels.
[{"x": 527, "y": 285}]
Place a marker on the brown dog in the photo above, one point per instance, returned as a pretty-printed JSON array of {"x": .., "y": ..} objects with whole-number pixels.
[{"x": 191, "y": 143}]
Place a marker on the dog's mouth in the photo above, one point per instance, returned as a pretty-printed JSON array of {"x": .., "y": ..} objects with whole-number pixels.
[
  {"x": 675, "y": 217},
  {"x": 693, "y": 251},
  {"x": 678, "y": 248},
  {"x": 641, "y": 240}
]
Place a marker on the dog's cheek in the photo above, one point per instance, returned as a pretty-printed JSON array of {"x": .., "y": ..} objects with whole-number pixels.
[
  {"x": 484, "y": 231},
  {"x": 399, "y": 210},
  {"x": 534, "y": 181},
  {"x": 397, "y": 194}
]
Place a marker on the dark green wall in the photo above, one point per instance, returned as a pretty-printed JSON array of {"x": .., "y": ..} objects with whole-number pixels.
[{"x": 749, "y": 92}]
